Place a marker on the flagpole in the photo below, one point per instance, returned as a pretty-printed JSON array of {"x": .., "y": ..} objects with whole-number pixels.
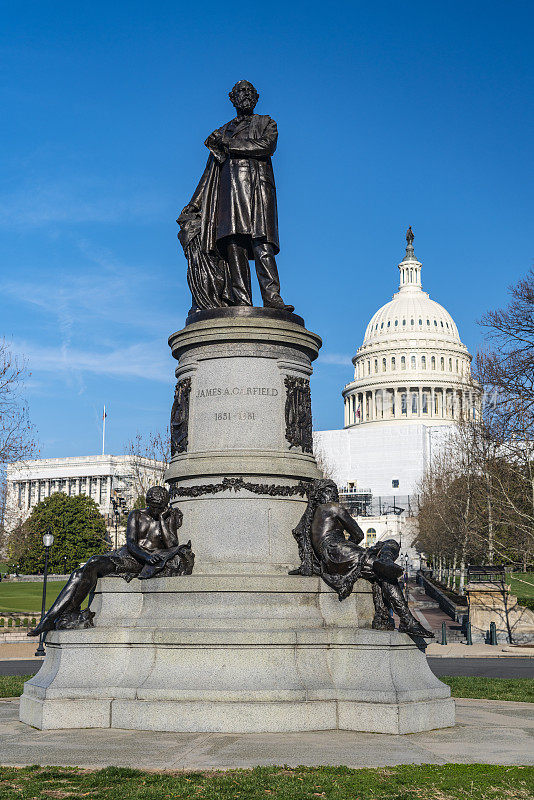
[{"x": 103, "y": 430}]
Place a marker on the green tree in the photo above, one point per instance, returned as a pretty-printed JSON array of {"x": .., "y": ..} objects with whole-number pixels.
[
  {"x": 140, "y": 503},
  {"x": 79, "y": 532}
]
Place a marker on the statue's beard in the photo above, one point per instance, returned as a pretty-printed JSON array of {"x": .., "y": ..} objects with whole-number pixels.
[{"x": 245, "y": 105}]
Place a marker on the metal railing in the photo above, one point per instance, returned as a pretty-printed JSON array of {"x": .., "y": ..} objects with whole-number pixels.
[{"x": 368, "y": 505}]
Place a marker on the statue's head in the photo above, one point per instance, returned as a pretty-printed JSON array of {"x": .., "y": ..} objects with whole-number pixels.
[
  {"x": 323, "y": 491},
  {"x": 244, "y": 96},
  {"x": 157, "y": 498}
]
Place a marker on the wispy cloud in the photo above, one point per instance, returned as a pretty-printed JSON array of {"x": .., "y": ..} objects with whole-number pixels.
[
  {"x": 145, "y": 360},
  {"x": 109, "y": 290},
  {"x": 41, "y": 204},
  {"x": 338, "y": 359}
]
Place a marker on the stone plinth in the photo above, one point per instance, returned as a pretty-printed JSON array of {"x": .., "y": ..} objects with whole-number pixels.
[
  {"x": 492, "y": 602},
  {"x": 234, "y": 654},
  {"x": 236, "y": 365}
]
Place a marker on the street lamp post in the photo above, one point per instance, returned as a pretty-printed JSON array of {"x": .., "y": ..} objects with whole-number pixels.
[
  {"x": 48, "y": 541},
  {"x": 406, "y": 575}
]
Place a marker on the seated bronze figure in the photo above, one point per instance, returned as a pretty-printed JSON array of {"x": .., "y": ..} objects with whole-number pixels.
[
  {"x": 151, "y": 549},
  {"x": 329, "y": 539}
]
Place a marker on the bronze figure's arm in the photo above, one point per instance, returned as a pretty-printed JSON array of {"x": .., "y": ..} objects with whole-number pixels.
[
  {"x": 170, "y": 522},
  {"x": 350, "y": 525},
  {"x": 132, "y": 538},
  {"x": 259, "y": 148}
]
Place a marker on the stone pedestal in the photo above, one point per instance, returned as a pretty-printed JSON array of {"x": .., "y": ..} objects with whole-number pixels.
[
  {"x": 239, "y": 646},
  {"x": 246, "y": 372}
]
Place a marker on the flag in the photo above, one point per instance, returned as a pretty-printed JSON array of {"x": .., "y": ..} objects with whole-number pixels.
[
  {"x": 358, "y": 412},
  {"x": 104, "y": 415}
]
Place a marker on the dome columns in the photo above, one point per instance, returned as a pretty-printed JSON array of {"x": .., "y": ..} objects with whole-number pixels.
[{"x": 410, "y": 402}]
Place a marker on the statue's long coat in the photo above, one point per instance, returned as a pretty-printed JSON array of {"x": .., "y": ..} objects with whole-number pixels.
[{"x": 236, "y": 194}]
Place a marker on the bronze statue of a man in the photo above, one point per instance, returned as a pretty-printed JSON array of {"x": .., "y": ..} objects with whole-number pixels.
[
  {"x": 232, "y": 217},
  {"x": 326, "y": 550},
  {"x": 151, "y": 549}
]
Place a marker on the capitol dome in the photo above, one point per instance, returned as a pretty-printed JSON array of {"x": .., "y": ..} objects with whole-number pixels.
[{"x": 412, "y": 363}]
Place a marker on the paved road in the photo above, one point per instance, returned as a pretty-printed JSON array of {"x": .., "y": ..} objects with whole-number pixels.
[
  {"x": 20, "y": 667},
  {"x": 483, "y": 667}
]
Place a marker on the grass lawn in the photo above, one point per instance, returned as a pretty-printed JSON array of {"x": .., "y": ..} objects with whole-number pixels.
[
  {"x": 420, "y": 782},
  {"x": 522, "y": 584},
  {"x": 27, "y": 596},
  {"x": 519, "y": 689}
]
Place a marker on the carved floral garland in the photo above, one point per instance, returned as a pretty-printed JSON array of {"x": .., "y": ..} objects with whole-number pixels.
[{"x": 236, "y": 485}]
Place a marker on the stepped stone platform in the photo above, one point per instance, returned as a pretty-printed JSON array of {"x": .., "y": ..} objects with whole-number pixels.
[{"x": 234, "y": 654}]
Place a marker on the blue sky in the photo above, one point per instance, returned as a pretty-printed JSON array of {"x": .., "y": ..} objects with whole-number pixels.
[{"x": 389, "y": 114}]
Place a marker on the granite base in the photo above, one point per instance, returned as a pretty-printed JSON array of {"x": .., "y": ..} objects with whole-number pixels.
[{"x": 237, "y": 654}]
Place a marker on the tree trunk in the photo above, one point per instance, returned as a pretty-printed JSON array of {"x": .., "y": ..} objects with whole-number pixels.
[
  {"x": 490, "y": 521},
  {"x": 462, "y": 575}
]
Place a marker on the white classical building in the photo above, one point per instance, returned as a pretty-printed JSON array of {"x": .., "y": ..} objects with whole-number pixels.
[
  {"x": 103, "y": 478},
  {"x": 412, "y": 381}
]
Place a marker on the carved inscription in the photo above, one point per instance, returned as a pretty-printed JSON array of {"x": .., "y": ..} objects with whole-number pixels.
[
  {"x": 230, "y": 393},
  {"x": 180, "y": 417},
  {"x": 298, "y": 413},
  {"x": 236, "y": 391}
]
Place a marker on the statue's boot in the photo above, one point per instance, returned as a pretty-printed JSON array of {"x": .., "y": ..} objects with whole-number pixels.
[
  {"x": 278, "y": 303},
  {"x": 382, "y": 620},
  {"x": 408, "y": 623},
  {"x": 70, "y": 599},
  {"x": 268, "y": 279}
]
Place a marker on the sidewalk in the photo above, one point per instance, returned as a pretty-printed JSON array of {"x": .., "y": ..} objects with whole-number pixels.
[
  {"x": 16, "y": 651},
  {"x": 487, "y": 731},
  {"x": 461, "y": 650}
]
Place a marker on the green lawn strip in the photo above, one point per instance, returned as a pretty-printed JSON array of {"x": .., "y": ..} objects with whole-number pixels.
[
  {"x": 12, "y": 686},
  {"x": 417, "y": 782},
  {"x": 522, "y": 584},
  {"x": 27, "y": 596},
  {"x": 520, "y": 690}
]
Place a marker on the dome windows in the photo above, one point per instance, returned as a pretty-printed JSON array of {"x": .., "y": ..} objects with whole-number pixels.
[
  {"x": 404, "y": 322},
  {"x": 393, "y": 364},
  {"x": 412, "y": 362},
  {"x": 412, "y": 322},
  {"x": 403, "y": 362},
  {"x": 433, "y": 362},
  {"x": 396, "y": 322},
  {"x": 423, "y": 362},
  {"x": 442, "y": 364},
  {"x": 436, "y": 323},
  {"x": 384, "y": 365}
]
